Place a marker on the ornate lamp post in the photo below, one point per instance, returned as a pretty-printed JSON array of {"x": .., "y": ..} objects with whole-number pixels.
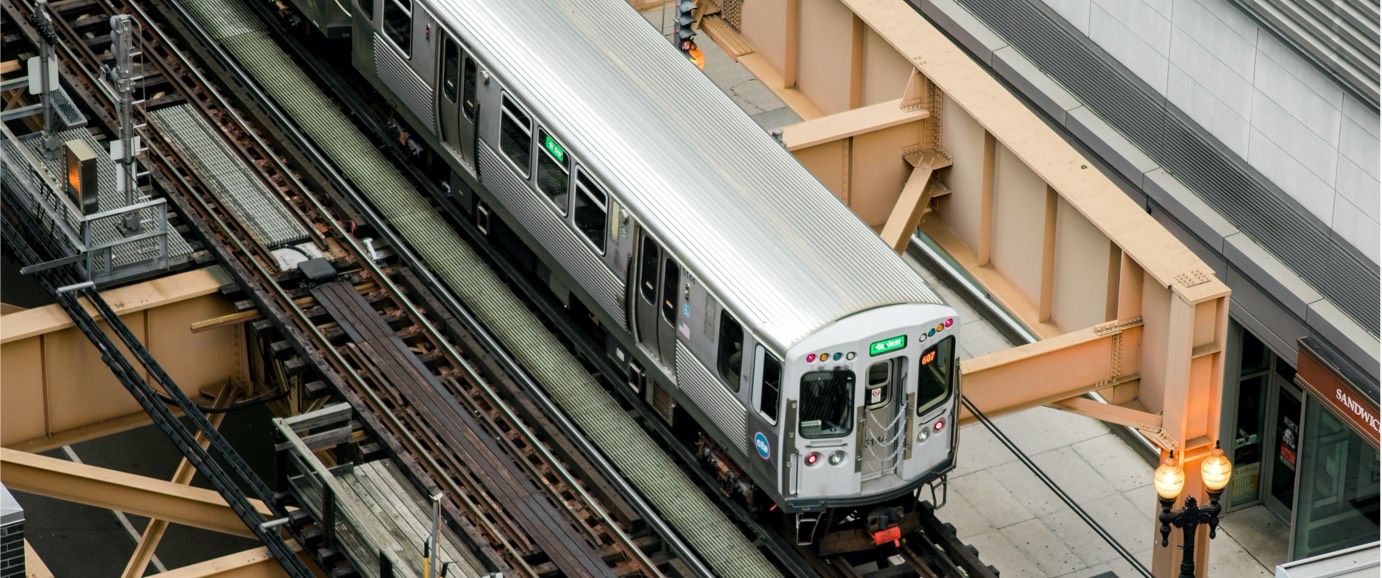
[{"x": 1169, "y": 479}]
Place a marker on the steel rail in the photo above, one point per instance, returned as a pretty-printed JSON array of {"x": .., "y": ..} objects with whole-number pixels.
[
  {"x": 533, "y": 441},
  {"x": 486, "y": 339},
  {"x": 342, "y": 367}
]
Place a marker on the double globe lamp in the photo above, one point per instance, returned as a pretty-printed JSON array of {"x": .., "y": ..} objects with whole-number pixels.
[{"x": 1169, "y": 480}]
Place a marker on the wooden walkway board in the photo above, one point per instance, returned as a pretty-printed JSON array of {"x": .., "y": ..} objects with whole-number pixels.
[{"x": 399, "y": 519}]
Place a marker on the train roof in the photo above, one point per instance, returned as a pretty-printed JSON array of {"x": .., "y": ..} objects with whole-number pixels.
[{"x": 744, "y": 216}]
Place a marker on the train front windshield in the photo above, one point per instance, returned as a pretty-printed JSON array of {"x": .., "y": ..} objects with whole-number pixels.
[
  {"x": 937, "y": 373},
  {"x": 827, "y": 403}
]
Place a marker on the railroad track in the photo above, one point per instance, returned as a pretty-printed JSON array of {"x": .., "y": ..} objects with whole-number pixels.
[
  {"x": 362, "y": 365},
  {"x": 567, "y": 528},
  {"x": 933, "y": 550}
]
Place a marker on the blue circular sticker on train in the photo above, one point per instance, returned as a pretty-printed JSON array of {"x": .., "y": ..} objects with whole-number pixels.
[{"x": 760, "y": 441}]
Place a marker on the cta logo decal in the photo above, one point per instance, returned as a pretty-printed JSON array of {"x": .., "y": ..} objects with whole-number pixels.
[{"x": 760, "y": 441}]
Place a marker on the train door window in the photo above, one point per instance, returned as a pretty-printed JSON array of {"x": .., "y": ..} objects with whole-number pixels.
[
  {"x": 553, "y": 172},
  {"x": 398, "y": 24},
  {"x": 879, "y": 385},
  {"x": 730, "y": 358},
  {"x": 591, "y": 216},
  {"x": 671, "y": 279},
  {"x": 769, "y": 386},
  {"x": 367, "y": 6},
  {"x": 450, "y": 69},
  {"x": 827, "y": 403},
  {"x": 468, "y": 98},
  {"x": 937, "y": 367},
  {"x": 516, "y": 136},
  {"x": 647, "y": 269}
]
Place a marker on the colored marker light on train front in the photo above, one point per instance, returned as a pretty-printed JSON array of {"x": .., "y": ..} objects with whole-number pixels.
[
  {"x": 939, "y": 425},
  {"x": 949, "y": 322},
  {"x": 810, "y": 357},
  {"x": 812, "y": 458}
]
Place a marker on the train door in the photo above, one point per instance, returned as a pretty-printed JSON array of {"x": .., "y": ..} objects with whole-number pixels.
[
  {"x": 655, "y": 301},
  {"x": 881, "y": 425},
  {"x": 764, "y": 413},
  {"x": 456, "y": 104}
]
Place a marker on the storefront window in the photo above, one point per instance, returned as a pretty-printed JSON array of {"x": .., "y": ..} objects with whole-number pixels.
[
  {"x": 1252, "y": 439},
  {"x": 1247, "y": 441},
  {"x": 1338, "y": 503}
]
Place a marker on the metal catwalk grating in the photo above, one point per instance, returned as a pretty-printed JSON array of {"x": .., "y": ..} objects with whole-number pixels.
[
  {"x": 623, "y": 441},
  {"x": 105, "y": 230},
  {"x": 1244, "y": 197},
  {"x": 248, "y": 199}
]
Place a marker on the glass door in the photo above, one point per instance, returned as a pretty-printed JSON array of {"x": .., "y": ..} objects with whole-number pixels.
[{"x": 1285, "y": 457}]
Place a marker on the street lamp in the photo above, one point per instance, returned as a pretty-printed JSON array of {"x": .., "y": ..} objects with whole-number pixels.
[{"x": 1169, "y": 479}]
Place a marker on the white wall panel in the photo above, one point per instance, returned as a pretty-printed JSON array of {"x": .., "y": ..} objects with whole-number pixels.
[
  {"x": 1219, "y": 78},
  {"x": 1352, "y": 224},
  {"x": 1146, "y": 22},
  {"x": 1298, "y": 99},
  {"x": 1256, "y": 95},
  {"x": 1075, "y": 11},
  {"x": 1231, "y": 41},
  {"x": 1359, "y": 146},
  {"x": 1314, "y": 153},
  {"x": 1211, "y": 113},
  {"x": 1298, "y": 67},
  {"x": 1141, "y": 58},
  {"x": 1284, "y": 170}
]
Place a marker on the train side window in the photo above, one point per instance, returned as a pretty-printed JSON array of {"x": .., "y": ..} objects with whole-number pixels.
[
  {"x": 398, "y": 24},
  {"x": 516, "y": 136},
  {"x": 591, "y": 215},
  {"x": 936, "y": 381},
  {"x": 468, "y": 104},
  {"x": 451, "y": 68},
  {"x": 553, "y": 174},
  {"x": 671, "y": 280},
  {"x": 730, "y": 358},
  {"x": 770, "y": 386},
  {"x": 367, "y": 6},
  {"x": 647, "y": 269}
]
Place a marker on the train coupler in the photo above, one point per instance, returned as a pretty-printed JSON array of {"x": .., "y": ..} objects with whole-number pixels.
[{"x": 884, "y": 525}]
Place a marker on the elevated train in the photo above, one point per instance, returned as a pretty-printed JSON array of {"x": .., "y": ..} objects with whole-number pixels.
[{"x": 725, "y": 279}]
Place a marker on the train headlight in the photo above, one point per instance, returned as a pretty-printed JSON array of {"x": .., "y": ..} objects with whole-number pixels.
[
  {"x": 837, "y": 457},
  {"x": 923, "y": 434},
  {"x": 813, "y": 458}
]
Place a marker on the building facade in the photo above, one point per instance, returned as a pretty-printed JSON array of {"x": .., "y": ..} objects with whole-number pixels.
[{"x": 1254, "y": 139}]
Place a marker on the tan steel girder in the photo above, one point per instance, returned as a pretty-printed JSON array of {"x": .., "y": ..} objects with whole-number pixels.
[{"x": 115, "y": 490}]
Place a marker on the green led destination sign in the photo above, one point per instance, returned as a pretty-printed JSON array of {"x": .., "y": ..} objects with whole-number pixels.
[
  {"x": 886, "y": 345},
  {"x": 551, "y": 145}
]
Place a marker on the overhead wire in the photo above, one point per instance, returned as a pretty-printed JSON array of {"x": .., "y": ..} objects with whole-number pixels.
[{"x": 1056, "y": 489}]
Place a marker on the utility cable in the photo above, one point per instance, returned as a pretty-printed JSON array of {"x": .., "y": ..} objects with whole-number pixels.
[{"x": 1064, "y": 497}]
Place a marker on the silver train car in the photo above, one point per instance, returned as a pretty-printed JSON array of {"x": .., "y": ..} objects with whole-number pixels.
[{"x": 725, "y": 279}]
